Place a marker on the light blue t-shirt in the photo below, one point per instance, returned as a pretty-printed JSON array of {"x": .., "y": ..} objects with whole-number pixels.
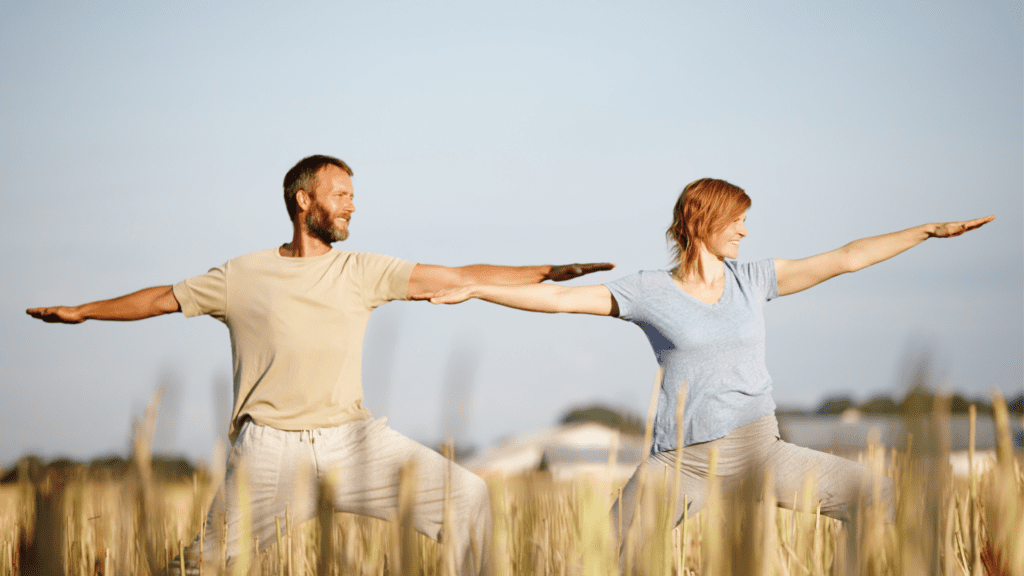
[{"x": 717, "y": 350}]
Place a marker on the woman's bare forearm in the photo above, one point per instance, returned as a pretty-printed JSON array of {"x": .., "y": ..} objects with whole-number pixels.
[
  {"x": 529, "y": 297},
  {"x": 865, "y": 252},
  {"x": 546, "y": 298}
]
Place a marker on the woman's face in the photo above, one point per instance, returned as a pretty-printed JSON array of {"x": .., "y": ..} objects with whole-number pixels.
[{"x": 726, "y": 242}]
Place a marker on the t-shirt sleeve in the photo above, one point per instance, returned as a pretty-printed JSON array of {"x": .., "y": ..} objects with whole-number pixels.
[
  {"x": 628, "y": 294},
  {"x": 205, "y": 294},
  {"x": 384, "y": 278},
  {"x": 762, "y": 277}
]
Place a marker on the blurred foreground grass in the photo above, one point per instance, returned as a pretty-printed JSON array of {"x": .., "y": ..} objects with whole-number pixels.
[{"x": 70, "y": 524}]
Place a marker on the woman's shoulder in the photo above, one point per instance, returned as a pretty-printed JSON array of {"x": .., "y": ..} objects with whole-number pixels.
[
  {"x": 759, "y": 273},
  {"x": 644, "y": 278},
  {"x": 748, "y": 269},
  {"x": 642, "y": 286}
]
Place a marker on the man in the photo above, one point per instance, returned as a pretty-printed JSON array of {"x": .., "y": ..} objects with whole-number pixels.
[{"x": 297, "y": 315}]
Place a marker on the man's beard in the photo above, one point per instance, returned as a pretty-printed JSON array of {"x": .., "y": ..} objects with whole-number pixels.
[{"x": 320, "y": 224}]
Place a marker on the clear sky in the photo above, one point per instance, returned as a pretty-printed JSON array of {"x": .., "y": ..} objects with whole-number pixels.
[{"x": 142, "y": 143}]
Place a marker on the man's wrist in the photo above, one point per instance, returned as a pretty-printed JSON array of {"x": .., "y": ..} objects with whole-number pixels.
[{"x": 79, "y": 313}]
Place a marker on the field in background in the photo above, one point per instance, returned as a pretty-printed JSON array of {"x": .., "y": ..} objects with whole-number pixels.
[{"x": 73, "y": 524}]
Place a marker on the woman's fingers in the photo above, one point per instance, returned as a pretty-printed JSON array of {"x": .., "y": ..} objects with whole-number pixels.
[
  {"x": 951, "y": 229},
  {"x": 450, "y": 296},
  {"x": 446, "y": 296}
]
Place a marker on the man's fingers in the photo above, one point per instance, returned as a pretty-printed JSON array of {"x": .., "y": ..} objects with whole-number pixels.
[
  {"x": 600, "y": 267},
  {"x": 53, "y": 315},
  {"x": 39, "y": 313},
  {"x": 570, "y": 271}
]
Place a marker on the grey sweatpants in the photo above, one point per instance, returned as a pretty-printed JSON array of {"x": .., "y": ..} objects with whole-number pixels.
[
  {"x": 361, "y": 460},
  {"x": 743, "y": 456}
]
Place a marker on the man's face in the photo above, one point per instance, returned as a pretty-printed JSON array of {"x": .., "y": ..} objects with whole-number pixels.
[{"x": 332, "y": 206}]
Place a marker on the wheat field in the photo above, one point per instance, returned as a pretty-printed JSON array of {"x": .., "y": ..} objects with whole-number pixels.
[{"x": 80, "y": 526}]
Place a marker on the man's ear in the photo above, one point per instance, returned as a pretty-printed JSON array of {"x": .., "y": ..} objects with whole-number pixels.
[{"x": 303, "y": 200}]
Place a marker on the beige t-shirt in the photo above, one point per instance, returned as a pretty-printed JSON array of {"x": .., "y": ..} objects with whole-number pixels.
[{"x": 297, "y": 327}]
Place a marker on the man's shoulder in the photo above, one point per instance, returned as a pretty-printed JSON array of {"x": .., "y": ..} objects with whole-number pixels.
[
  {"x": 250, "y": 258},
  {"x": 262, "y": 260},
  {"x": 257, "y": 255},
  {"x": 355, "y": 256}
]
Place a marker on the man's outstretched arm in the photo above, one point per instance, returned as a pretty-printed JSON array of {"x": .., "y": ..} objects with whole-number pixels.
[
  {"x": 427, "y": 278},
  {"x": 145, "y": 303}
]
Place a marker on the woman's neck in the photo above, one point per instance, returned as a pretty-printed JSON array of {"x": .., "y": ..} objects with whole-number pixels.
[{"x": 713, "y": 267}]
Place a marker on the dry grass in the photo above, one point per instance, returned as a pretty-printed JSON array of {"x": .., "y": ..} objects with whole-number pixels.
[{"x": 75, "y": 526}]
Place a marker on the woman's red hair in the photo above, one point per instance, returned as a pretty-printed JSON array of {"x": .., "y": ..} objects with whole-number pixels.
[{"x": 704, "y": 207}]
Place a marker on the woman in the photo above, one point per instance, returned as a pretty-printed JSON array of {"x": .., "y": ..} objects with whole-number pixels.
[{"x": 705, "y": 320}]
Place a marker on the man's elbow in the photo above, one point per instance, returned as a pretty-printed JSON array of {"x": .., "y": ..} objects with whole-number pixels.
[{"x": 167, "y": 303}]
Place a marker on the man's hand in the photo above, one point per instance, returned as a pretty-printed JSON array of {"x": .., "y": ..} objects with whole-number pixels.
[
  {"x": 951, "y": 229},
  {"x": 570, "y": 271},
  {"x": 58, "y": 314}
]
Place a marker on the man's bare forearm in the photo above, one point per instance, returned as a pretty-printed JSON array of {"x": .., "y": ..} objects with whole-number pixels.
[
  {"x": 504, "y": 275},
  {"x": 508, "y": 275},
  {"x": 145, "y": 303}
]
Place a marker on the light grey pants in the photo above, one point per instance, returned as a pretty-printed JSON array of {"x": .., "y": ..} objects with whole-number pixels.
[
  {"x": 743, "y": 456},
  {"x": 361, "y": 460}
]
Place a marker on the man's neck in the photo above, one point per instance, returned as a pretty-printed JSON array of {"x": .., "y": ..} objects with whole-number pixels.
[{"x": 304, "y": 245}]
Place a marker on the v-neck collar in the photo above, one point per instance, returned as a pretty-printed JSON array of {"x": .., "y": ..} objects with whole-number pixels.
[{"x": 726, "y": 287}]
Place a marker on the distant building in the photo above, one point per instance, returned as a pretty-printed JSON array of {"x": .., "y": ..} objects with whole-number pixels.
[
  {"x": 593, "y": 449},
  {"x": 567, "y": 452},
  {"x": 849, "y": 431}
]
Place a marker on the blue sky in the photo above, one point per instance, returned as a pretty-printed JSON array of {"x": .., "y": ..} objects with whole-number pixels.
[{"x": 143, "y": 143}]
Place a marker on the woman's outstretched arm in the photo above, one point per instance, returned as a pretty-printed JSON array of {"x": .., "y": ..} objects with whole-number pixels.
[
  {"x": 548, "y": 298},
  {"x": 796, "y": 275}
]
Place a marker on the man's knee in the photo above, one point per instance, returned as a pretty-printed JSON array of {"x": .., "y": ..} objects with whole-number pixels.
[
  {"x": 477, "y": 490},
  {"x": 473, "y": 494}
]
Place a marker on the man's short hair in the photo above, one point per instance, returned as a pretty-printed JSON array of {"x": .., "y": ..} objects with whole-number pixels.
[{"x": 303, "y": 176}]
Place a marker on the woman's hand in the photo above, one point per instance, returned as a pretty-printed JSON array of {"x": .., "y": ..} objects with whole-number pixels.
[
  {"x": 951, "y": 229},
  {"x": 447, "y": 296}
]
